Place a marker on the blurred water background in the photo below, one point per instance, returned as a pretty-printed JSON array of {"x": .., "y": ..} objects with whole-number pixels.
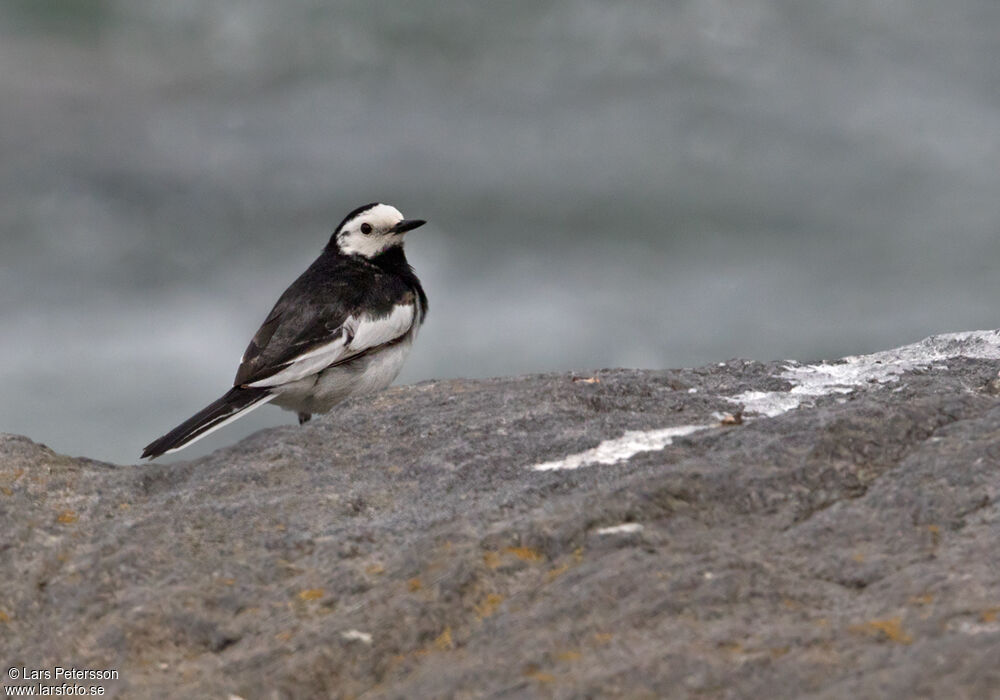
[{"x": 643, "y": 184}]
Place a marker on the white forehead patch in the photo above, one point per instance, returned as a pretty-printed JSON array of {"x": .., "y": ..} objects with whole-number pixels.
[{"x": 382, "y": 217}]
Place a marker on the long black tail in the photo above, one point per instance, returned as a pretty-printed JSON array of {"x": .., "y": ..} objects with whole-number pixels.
[{"x": 235, "y": 403}]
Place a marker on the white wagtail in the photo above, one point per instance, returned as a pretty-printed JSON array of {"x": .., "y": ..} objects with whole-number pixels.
[{"x": 343, "y": 328}]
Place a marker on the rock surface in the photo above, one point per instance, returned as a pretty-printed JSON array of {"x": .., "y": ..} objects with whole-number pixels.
[{"x": 607, "y": 534}]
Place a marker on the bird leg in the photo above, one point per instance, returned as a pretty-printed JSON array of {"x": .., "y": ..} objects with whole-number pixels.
[{"x": 304, "y": 417}]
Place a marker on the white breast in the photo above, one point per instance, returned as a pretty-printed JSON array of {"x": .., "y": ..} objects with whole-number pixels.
[{"x": 383, "y": 368}]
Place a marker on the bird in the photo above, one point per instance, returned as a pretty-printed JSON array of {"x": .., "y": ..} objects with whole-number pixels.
[{"x": 342, "y": 329}]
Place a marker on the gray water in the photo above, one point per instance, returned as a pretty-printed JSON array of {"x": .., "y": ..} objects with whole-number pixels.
[{"x": 641, "y": 184}]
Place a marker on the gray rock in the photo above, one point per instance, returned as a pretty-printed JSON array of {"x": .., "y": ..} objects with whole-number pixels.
[{"x": 406, "y": 546}]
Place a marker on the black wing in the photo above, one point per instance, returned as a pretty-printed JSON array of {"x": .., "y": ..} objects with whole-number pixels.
[{"x": 335, "y": 311}]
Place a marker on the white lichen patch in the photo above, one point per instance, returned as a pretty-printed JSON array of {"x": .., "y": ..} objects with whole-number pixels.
[
  {"x": 623, "y": 529},
  {"x": 356, "y": 636},
  {"x": 621, "y": 449},
  {"x": 767, "y": 403},
  {"x": 977, "y": 628},
  {"x": 854, "y": 372},
  {"x": 808, "y": 382}
]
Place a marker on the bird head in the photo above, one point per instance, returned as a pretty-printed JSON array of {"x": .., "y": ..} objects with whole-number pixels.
[{"x": 371, "y": 230}]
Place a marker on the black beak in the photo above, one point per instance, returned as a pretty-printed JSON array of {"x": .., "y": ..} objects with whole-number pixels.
[{"x": 408, "y": 225}]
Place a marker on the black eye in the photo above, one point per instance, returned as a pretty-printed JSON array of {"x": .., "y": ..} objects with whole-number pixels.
[{"x": 366, "y": 229}]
